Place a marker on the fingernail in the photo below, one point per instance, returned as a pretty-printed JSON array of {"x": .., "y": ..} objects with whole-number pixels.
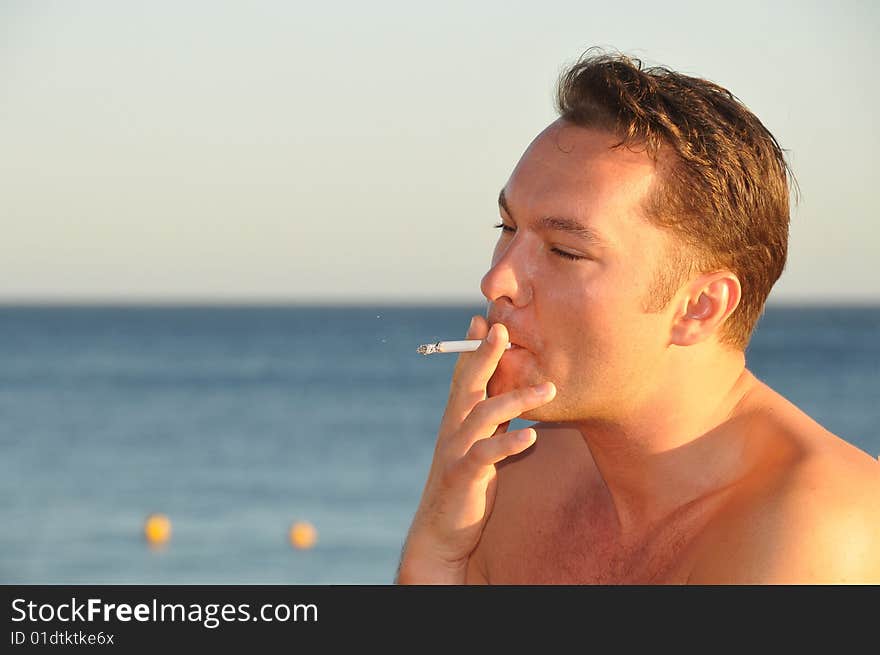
[
  {"x": 493, "y": 334},
  {"x": 473, "y": 323},
  {"x": 524, "y": 436},
  {"x": 544, "y": 388}
]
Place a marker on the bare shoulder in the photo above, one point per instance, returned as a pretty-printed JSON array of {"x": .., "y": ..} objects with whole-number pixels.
[{"x": 815, "y": 519}]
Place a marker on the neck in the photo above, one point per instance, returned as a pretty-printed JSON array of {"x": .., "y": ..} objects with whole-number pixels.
[{"x": 677, "y": 446}]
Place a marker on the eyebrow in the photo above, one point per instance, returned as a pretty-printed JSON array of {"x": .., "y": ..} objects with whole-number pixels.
[{"x": 561, "y": 224}]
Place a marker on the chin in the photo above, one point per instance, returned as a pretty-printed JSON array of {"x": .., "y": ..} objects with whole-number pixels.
[
  {"x": 500, "y": 383},
  {"x": 540, "y": 414},
  {"x": 507, "y": 379}
]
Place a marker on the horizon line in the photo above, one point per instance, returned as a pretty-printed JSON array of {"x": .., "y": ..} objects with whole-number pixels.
[{"x": 799, "y": 301}]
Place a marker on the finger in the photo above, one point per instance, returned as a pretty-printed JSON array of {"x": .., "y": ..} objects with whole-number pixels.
[
  {"x": 491, "y": 451},
  {"x": 478, "y": 329},
  {"x": 472, "y": 373},
  {"x": 475, "y": 368},
  {"x": 490, "y": 414}
]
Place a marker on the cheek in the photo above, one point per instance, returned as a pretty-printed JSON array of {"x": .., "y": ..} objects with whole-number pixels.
[
  {"x": 515, "y": 370},
  {"x": 586, "y": 339},
  {"x": 499, "y": 383}
]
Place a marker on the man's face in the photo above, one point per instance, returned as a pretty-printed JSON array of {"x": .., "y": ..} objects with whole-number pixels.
[{"x": 580, "y": 322}]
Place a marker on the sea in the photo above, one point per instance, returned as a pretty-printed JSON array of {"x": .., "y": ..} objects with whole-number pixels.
[{"x": 238, "y": 422}]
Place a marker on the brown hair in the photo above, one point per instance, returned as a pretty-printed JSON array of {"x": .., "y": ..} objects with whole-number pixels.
[{"x": 723, "y": 188}]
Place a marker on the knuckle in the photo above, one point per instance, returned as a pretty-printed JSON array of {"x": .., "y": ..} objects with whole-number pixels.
[
  {"x": 481, "y": 408},
  {"x": 476, "y": 456},
  {"x": 451, "y": 475},
  {"x": 490, "y": 411}
]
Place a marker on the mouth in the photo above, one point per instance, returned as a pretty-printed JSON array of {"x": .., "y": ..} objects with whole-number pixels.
[
  {"x": 515, "y": 347},
  {"x": 513, "y": 333},
  {"x": 514, "y": 344}
]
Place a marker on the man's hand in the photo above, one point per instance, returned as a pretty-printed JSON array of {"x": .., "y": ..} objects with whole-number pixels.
[{"x": 460, "y": 489}]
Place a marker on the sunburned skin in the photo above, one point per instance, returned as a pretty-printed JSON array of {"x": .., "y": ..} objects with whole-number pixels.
[
  {"x": 758, "y": 527},
  {"x": 656, "y": 456}
]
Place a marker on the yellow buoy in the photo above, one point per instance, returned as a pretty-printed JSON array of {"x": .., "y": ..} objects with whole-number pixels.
[
  {"x": 157, "y": 529},
  {"x": 303, "y": 535}
]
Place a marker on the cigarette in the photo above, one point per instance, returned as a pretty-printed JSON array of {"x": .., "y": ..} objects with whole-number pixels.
[{"x": 452, "y": 347}]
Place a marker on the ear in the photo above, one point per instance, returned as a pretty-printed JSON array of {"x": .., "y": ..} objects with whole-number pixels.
[{"x": 707, "y": 303}]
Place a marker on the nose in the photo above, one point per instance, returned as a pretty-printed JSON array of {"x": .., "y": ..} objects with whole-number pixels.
[{"x": 507, "y": 279}]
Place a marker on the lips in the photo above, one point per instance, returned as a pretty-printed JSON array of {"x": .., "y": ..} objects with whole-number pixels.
[{"x": 516, "y": 340}]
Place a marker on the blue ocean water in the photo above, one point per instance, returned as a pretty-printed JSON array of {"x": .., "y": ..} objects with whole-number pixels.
[{"x": 238, "y": 421}]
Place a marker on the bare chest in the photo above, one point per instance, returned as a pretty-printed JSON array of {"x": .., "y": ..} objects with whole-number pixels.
[
  {"x": 579, "y": 558},
  {"x": 579, "y": 544}
]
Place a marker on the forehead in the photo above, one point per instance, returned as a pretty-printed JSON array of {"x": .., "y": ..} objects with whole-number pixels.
[{"x": 573, "y": 171}]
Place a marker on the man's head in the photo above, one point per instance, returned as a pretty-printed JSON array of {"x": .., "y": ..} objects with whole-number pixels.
[
  {"x": 687, "y": 195},
  {"x": 722, "y": 188}
]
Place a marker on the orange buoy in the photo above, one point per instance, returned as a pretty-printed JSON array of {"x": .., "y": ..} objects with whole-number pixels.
[
  {"x": 157, "y": 529},
  {"x": 303, "y": 535}
]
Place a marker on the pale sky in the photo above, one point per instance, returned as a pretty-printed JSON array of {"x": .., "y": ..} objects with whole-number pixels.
[{"x": 352, "y": 151}]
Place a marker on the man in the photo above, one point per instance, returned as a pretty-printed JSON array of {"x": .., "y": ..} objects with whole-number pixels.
[{"x": 641, "y": 234}]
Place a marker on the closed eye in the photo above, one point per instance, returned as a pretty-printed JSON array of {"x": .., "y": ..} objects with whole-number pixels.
[
  {"x": 557, "y": 251},
  {"x": 566, "y": 255}
]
